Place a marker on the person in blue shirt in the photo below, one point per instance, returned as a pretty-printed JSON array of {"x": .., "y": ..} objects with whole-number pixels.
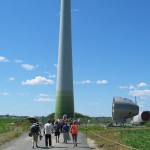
[{"x": 65, "y": 130}]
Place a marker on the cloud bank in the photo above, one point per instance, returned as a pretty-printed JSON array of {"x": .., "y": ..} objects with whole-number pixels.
[{"x": 39, "y": 80}]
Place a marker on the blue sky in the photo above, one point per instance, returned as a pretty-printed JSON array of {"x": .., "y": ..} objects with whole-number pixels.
[{"x": 111, "y": 55}]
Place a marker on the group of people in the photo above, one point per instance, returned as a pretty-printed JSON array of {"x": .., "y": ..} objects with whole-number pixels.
[{"x": 55, "y": 127}]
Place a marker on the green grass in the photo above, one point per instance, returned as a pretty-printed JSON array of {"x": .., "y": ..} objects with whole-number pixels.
[
  {"x": 99, "y": 128},
  {"x": 7, "y": 120},
  {"x": 12, "y": 127},
  {"x": 6, "y": 128},
  {"x": 5, "y": 124},
  {"x": 136, "y": 138},
  {"x": 99, "y": 131},
  {"x": 147, "y": 124}
]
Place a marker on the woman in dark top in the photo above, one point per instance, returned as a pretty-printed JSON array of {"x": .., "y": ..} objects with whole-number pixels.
[{"x": 57, "y": 129}]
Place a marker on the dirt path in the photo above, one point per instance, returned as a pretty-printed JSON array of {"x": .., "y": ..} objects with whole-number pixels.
[{"x": 25, "y": 143}]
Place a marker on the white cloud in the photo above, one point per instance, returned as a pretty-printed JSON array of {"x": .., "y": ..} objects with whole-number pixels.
[
  {"x": 74, "y": 10},
  {"x": 140, "y": 93},
  {"x": 27, "y": 67},
  {"x": 3, "y": 59},
  {"x": 11, "y": 79},
  {"x": 43, "y": 95},
  {"x": 142, "y": 84},
  {"x": 23, "y": 94},
  {"x": 43, "y": 99},
  {"x": 52, "y": 76},
  {"x": 5, "y": 94},
  {"x": 101, "y": 81},
  {"x": 39, "y": 80},
  {"x": 18, "y": 61},
  {"x": 123, "y": 87},
  {"x": 56, "y": 65},
  {"x": 84, "y": 82},
  {"x": 132, "y": 87},
  {"x": 127, "y": 87}
]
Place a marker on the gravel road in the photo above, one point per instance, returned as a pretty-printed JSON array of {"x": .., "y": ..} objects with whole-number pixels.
[{"x": 24, "y": 142}]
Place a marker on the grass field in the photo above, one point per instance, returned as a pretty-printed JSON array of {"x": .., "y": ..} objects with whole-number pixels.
[
  {"x": 12, "y": 127},
  {"x": 137, "y": 138},
  {"x": 119, "y": 138}
]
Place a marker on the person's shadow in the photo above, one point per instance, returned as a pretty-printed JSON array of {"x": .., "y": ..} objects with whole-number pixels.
[{"x": 42, "y": 147}]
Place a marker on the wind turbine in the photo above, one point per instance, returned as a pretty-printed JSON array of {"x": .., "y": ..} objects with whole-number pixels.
[{"x": 64, "y": 87}]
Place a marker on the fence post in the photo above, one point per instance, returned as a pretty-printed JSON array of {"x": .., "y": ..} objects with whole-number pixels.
[{"x": 86, "y": 130}]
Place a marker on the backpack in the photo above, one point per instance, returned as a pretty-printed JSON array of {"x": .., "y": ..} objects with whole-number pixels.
[{"x": 35, "y": 129}]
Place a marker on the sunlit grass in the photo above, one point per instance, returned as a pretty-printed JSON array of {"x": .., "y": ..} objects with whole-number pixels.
[
  {"x": 134, "y": 137},
  {"x": 12, "y": 127},
  {"x": 6, "y": 128}
]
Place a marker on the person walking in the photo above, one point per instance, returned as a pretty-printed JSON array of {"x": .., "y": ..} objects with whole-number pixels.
[
  {"x": 74, "y": 132},
  {"x": 57, "y": 129},
  {"x": 65, "y": 130},
  {"x": 48, "y": 129},
  {"x": 35, "y": 130}
]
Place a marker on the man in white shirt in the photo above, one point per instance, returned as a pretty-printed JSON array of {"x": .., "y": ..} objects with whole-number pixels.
[{"x": 48, "y": 129}]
